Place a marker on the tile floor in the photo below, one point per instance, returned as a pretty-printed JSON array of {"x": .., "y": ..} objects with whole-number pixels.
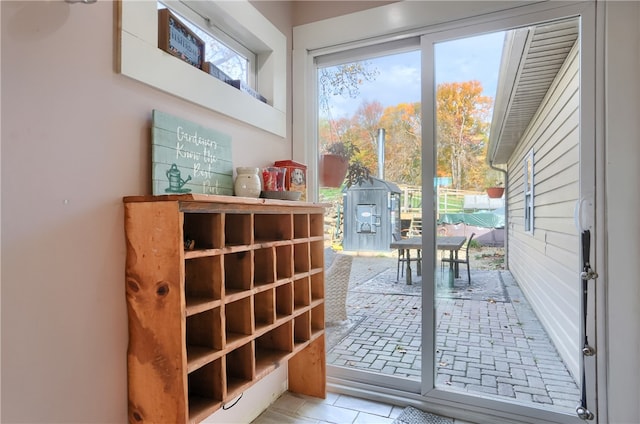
[{"x": 337, "y": 409}]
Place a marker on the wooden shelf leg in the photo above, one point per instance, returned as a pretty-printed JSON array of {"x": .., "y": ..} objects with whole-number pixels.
[{"x": 308, "y": 370}]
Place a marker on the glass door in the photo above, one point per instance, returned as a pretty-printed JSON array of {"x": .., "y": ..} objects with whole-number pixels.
[
  {"x": 472, "y": 303},
  {"x": 507, "y": 333}
]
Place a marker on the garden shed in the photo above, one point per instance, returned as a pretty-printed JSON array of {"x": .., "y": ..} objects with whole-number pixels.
[{"x": 371, "y": 215}]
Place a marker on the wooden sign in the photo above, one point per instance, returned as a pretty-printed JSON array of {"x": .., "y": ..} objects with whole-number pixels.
[
  {"x": 189, "y": 158},
  {"x": 178, "y": 40}
]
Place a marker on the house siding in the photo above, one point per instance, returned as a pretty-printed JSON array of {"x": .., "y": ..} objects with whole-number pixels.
[{"x": 546, "y": 263}]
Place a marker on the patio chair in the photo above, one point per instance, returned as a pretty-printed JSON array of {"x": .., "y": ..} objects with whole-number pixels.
[
  {"x": 415, "y": 229},
  {"x": 461, "y": 261},
  {"x": 336, "y": 284}
]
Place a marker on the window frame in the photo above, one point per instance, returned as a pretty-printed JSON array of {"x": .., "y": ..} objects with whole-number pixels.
[
  {"x": 528, "y": 192},
  {"x": 198, "y": 19},
  {"x": 142, "y": 60}
]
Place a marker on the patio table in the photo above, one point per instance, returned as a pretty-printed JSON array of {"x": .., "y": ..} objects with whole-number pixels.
[
  {"x": 405, "y": 246},
  {"x": 450, "y": 243}
]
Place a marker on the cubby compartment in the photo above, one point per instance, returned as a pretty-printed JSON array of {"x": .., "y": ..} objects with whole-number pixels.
[
  {"x": 238, "y": 229},
  {"x": 316, "y": 249},
  {"x": 202, "y": 282},
  {"x": 300, "y": 226},
  {"x": 263, "y": 269},
  {"x": 317, "y": 286},
  {"x": 301, "y": 293},
  {"x": 202, "y": 231},
  {"x": 272, "y": 227},
  {"x": 271, "y": 347},
  {"x": 264, "y": 309},
  {"x": 240, "y": 370},
  {"x": 206, "y": 390},
  {"x": 284, "y": 261},
  {"x": 239, "y": 322},
  {"x": 237, "y": 271},
  {"x": 204, "y": 336},
  {"x": 302, "y": 327},
  {"x": 316, "y": 225},
  {"x": 317, "y": 318},
  {"x": 284, "y": 300},
  {"x": 301, "y": 262}
]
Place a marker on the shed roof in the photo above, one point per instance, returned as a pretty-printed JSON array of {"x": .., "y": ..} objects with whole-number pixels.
[
  {"x": 377, "y": 184},
  {"x": 531, "y": 59}
]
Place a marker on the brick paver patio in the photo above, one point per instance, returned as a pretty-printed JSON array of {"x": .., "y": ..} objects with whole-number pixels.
[{"x": 488, "y": 339}]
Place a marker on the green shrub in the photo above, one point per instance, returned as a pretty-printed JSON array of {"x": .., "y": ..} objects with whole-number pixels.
[{"x": 474, "y": 244}]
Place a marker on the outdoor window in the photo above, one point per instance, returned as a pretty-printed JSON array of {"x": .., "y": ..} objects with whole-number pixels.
[
  {"x": 254, "y": 48},
  {"x": 528, "y": 192}
]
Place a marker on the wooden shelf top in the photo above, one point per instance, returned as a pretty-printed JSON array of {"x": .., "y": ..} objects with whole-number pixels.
[{"x": 211, "y": 198}]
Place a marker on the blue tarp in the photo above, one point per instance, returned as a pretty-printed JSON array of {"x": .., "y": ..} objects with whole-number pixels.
[{"x": 477, "y": 219}]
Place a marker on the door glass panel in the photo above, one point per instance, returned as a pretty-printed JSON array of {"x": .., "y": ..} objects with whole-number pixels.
[
  {"x": 371, "y": 110},
  {"x": 507, "y": 313}
]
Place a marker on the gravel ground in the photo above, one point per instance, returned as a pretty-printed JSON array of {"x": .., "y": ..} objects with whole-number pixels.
[{"x": 487, "y": 258}]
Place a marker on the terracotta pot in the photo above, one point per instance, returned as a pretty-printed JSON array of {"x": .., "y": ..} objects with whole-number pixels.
[
  {"x": 495, "y": 192},
  {"x": 333, "y": 169}
]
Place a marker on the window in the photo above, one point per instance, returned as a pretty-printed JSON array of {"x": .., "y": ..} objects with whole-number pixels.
[
  {"x": 226, "y": 53},
  {"x": 142, "y": 60},
  {"x": 528, "y": 192}
]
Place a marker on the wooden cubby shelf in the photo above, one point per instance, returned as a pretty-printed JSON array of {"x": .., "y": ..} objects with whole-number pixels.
[
  {"x": 301, "y": 260},
  {"x": 284, "y": 300},
  {"x": 302, "y": 328},
  {"x": 221, "y": 290},
  {"x": 264, "y": 266},
  {"x": 238, "y": 229},
  {"x": 317, "y": 286},
  {"x": 316, "y": 225},
  {"x": 301, "y": 293}
]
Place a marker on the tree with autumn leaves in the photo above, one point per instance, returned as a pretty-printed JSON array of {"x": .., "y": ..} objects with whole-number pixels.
[
  {"x": 462, "y": 114},
  {"x": 403, "y": 124},
  {"x": 462, "y": 135}
]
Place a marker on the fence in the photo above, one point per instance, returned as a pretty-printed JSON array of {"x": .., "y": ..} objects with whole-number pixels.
[{"x": 449, "y": 200}]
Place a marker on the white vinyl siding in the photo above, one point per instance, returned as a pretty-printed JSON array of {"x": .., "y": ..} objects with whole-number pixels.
[{"x": 545, "y": 260}]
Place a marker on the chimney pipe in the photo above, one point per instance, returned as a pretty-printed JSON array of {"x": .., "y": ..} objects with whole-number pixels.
[{"x": 381, "y": 153}]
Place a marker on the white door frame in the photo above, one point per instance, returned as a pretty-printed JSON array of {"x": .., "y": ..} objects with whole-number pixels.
[{"x": 436, "y": 21}]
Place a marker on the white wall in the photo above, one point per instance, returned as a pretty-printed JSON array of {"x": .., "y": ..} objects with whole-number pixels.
[
  {"x": 622, "y": 156},
  {"x": 75, "y": 140},
  {"x": 308, "y": 11}
]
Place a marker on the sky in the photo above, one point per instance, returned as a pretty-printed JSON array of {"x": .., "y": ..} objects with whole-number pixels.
[{"x": 399, "y": 78}]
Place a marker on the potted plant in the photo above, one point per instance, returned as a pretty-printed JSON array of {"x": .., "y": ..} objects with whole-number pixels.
[
  {"x": 494, "y": 184},
  {"x": 496, "y": 191},
  {"x": 338, "y": 164}
]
